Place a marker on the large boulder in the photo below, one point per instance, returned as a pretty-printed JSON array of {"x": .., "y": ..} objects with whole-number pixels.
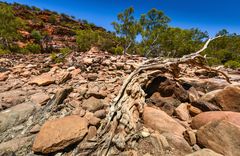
[
  {"x": 228, "y": 98},
  {"x": 206, "y": 117},
  {"x": 15, "y": 115},
  {"x": 158, "y": 120},
  {"x": 220, "y": 136},
  {"x": 60, "y": 133},
  {"x": 179, "y": 146},
  {"x": 204, "y": 152}
]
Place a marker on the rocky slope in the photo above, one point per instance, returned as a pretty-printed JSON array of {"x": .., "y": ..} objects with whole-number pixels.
[
  {"x": 57, "y": 109},
  {"x": 56, "y": 31}
]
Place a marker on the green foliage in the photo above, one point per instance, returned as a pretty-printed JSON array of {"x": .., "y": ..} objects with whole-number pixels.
[
  {"x": 3, "y": 51},
  {"x": 103, "y": 40},
  {"x": 86, "y": 39},
  {"x": 36, "y": 35},
  {"x": 225, "y": 49},
  {"x": 65, "y": 51},
  {"x": 232, "y": 64},
  {"x": 223, "y": 32},
  {"x": 59, "y": 57},
  {"x": 32, "y": 48},
  {"x": 52, "y": 19},
  {"x": 127, "y": 27},
  {"x": 213, "y": 61},
  {"x": 9, "y": 25},
  {"x": 117, "y": 51},
  {"x": 152, "y": 24}
]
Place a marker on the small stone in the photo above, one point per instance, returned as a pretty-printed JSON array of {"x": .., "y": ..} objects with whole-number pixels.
[
  {"x": 87, "y": 61},
  {"x": 92, "y": 76},
  {"x": 182, "y": 112},
  {"x": 190, "y": 137},
  {"x": 3, "y": 76},
  {"x": 43, "y": 80},
  {"x": 71, "y": 68},
  {"x": 92, "y": 132},
  {"x": 100, "y": 114},
  {"x": 145, "y": 134},
  {"x": 194, "y": 110},
  {"x": 40, "y": 98},
  {"x": 93, "y": 104},
  {"x": 35, "y": 129},
  {"x": 92, "y": 119},
  {"x": 75, "y": 72}
]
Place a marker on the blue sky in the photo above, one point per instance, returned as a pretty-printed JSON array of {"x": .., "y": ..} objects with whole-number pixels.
[{"x": 209, "y": 15}]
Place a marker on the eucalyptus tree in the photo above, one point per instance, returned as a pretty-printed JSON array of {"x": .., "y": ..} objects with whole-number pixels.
[
  {"x": 127, "y": 27},
  {"x": 152, "y": 24}
]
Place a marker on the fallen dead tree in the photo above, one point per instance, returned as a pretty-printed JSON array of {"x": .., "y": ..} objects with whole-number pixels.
[{"x": 124, "y": 118}]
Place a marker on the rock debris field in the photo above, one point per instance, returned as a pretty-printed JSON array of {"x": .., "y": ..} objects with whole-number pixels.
[{"x": 59, "y": 109}]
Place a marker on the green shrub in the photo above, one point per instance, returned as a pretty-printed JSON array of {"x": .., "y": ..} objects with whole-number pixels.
[
  {"x": 59, "y": 57},
  {"x": 32, "y": 48},
  {"x": 36, "y": 35},
  {"x": 232, "y": 64},
  {"x": 86, "y": 39},
  {"x": 117, "y": 51},
  {"x": 213, "y": 61},
  {"x": 52, "y": 19},
  {"x": 103, "y": 40},
  {"x": 2, "y": 51},
  {"x": 65, "y": 51}
]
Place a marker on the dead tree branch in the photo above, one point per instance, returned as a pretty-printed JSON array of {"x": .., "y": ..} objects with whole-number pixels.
[{"x": 123, "y": 119}]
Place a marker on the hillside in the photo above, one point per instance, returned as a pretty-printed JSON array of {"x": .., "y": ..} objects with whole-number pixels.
[{"x": 50, "y": 30}]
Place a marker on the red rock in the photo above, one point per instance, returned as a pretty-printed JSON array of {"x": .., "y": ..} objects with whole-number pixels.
[
  {"x": 158, "y": 120},
  {"x": 60, "y": 133},
  {"x": 100, "y": 114},
  {"x": 220, "y": 136},
  {"x": 204, "y": 152},
  {"x": 92, "y": 119},
  {"x": 92, "y": 132},
  {"x": 43, "y": 80},
  {"x": 93, "y": 104},
  {"x": 194, "y": 110},
  {"x": 228, "y": 98},
  {"x": 182, "y": 112},
  {"x": 87, "y": 61},
  {"x": 206, "y": 117},
  {"x": 3, "y": 76},
  {"x": 40, "y": 98}
]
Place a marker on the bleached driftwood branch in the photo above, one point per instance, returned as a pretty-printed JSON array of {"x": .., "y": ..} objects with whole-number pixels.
[{"x": 124, "y": 114}]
